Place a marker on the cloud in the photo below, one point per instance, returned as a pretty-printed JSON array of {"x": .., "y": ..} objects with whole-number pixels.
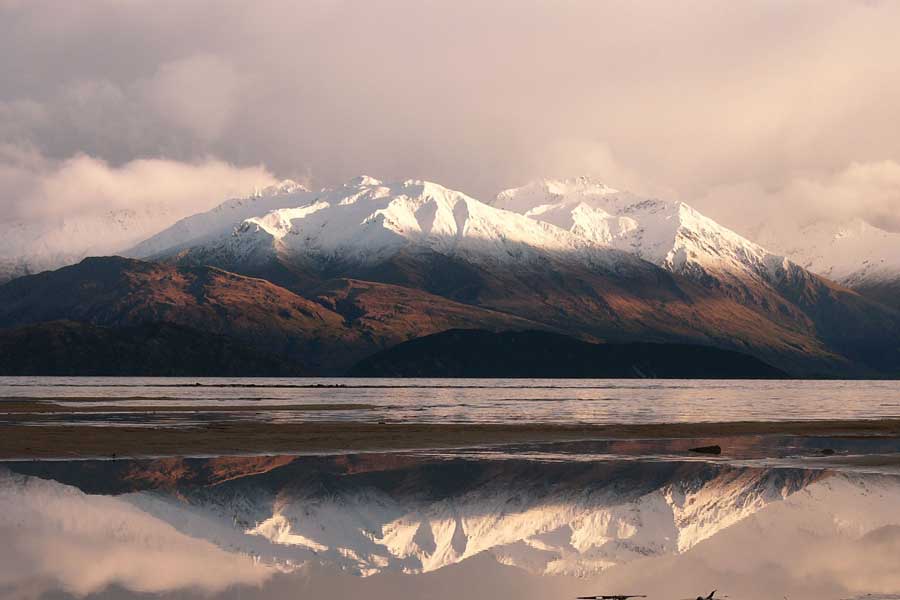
[
  {"x": 686, "y": 99},
  {"x": 40, "y": 188},
  {"x": 56, "y": 212},
  {"x": 197, "y": 93},
  {"x": 868, "y": 191}
]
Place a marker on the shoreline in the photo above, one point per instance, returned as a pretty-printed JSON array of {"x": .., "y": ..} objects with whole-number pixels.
[{"x": 19, "y": 442}]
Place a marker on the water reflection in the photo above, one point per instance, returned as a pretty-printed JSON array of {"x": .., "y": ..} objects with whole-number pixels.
[
  {"x": 56, "y": 537},
  {"x": 407, "y": 526}
]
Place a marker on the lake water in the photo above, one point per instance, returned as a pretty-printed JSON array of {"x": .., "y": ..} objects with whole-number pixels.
[
  {"x": 470, "y": 400},
  {"x": 388, "y": 526},
  {"x": 774, "y": 516}
]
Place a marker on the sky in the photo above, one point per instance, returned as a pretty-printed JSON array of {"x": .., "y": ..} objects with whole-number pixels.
[{"x": 750, "y": 111}]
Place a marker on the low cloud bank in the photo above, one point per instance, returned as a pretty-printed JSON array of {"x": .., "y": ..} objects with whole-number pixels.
[{"x": 43, "y": 189}]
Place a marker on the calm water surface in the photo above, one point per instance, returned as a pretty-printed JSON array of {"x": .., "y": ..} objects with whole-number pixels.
[
  {"x": 388, "y": 526},
  {"x": 474, "y": 400},
  {"x": 770, "y": 518}
]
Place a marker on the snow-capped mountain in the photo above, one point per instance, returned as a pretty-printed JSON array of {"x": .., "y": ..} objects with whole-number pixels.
[
  {"x": 369, "y": 526},
  {"x": 28, "y": 247},
  {"x": 220, "y": 220},
  {"x": 669, "y": 234},
  {"x": 851, "y": 253},
  {"x": 575, "y": 256},
  {"x": 856, "y": 254},
  {"x": 572, "y": 255},
  {"x": 366, "y": 221},
  {"x": 32, "y": 247}
]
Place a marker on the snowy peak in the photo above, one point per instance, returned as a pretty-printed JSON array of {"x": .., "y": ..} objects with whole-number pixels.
[
  {"x": 672, "y": 235},
  {"x": 285, "y": 186},
  {"x": 366, "y": 220},
  {"x": 554, "y": 192},
  {"x": 362, "y": 181},
  {"x": 369, "y": 219},
  {"x": 579, "y": 205},
  {"x": 850, "y": 253},
  {"x": 221, "y": 219}
]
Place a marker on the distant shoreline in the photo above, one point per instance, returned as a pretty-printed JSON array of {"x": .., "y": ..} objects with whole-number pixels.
[{"x": 19, "y": 442}]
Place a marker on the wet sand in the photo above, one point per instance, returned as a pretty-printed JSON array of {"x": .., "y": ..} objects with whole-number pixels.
[{"x": 249, "y": 438}]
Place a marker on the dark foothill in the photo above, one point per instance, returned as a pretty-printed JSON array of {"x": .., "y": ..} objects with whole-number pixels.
[{"x": 707, "y": 449}]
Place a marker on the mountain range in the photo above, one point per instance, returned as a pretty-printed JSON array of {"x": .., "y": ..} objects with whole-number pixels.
[{"x": 335, "y": 275}]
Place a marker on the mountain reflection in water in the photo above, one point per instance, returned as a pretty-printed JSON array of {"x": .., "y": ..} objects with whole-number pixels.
[{"x": 401, "y": 525}]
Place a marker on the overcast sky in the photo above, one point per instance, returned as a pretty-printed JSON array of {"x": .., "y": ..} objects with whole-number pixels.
[{"x": 744, "y": 109}]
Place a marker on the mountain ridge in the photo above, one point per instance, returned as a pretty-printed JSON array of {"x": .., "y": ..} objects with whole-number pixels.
[
  {"x": 856, "y": 254},
  {"x": 627, "y": 269},
  {"x": 346, "y": 321},
  {"x": 707, "y": 285}
]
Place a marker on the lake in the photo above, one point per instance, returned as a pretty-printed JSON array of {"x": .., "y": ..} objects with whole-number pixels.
[
  {"x": 779, "y": 510},
  {"x": 462, "y": 400}
]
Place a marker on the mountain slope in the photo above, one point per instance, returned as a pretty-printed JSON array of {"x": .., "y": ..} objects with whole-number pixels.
[
  {"x": 218, "y": 220},
  {"x": 346, "y": 321},
  {"x": 672, "y": 235},
  {"x": 117, "y": 292},
  {"x": 366, "y": 222},
  {"x": 681, "y": 240},
  {"x": 669, "y": 234},
  {"x": 700, "y": 283}
]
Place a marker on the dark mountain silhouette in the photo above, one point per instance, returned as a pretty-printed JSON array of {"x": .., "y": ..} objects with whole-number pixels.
[
  {"x": 538, "y": 354},
  {"x": 148, "y": 349},
  {"x": 280, "y": 331},
  {"x": 333, "y": 318}
]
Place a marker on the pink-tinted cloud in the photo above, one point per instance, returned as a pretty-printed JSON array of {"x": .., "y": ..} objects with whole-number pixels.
[{"x": 679, "y": 98}]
